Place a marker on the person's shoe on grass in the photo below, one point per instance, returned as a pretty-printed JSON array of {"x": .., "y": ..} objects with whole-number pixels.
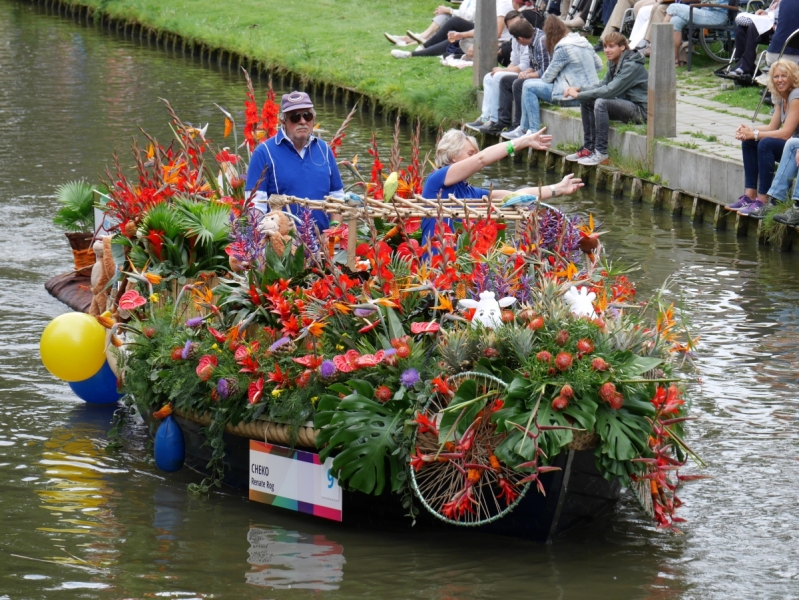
[
  {"x": 400, "y": 53},
  {"x": 789, "y": 217}
]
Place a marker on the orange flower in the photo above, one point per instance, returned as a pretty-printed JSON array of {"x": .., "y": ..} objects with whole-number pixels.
[{"x": 165, "y": 411}]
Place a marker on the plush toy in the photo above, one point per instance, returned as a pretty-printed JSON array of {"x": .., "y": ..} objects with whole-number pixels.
[
  {"x": 102, "y": 272},
  {"x": 581, "y": 301},
  {"x": 488, "y": 311},
  {"x": 276, "y": 226}
]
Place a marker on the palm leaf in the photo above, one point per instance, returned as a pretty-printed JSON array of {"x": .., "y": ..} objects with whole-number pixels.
[
  {"x": 209, "y": 222},
  {"x": 77, "y": 206}
]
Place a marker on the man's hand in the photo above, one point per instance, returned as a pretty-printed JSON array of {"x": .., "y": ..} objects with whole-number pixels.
[
  {"x": 443, "y": 10},
  {"x": 571, "y": 92}
]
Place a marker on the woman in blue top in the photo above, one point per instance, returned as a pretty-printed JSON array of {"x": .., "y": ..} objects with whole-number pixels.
[{"x": 458, "y": 158}]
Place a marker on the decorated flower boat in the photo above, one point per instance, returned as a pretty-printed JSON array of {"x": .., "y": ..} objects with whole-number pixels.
[{"x": 501, "y": 376}]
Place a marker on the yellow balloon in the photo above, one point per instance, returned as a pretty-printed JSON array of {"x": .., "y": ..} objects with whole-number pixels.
[{"x": 73, "y": 346}]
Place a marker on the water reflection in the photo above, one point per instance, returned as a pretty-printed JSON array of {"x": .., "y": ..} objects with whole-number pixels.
[{"x": 292, "y": 560}]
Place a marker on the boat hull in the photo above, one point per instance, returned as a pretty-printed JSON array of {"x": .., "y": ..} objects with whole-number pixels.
[{"x": 575, "y": 495}]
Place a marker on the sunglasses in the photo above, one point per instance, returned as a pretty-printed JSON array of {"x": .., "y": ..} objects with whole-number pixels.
[{"x": 307, "y": 115}]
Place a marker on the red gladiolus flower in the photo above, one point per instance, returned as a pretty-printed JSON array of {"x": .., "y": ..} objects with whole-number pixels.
[{"x": 256, "y": 391}]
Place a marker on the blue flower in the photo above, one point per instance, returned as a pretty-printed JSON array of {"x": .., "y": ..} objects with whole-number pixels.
[{"x": 409, "y": 377}]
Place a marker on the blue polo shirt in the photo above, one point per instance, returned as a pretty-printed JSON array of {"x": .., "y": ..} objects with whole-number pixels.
[
  {"x": 435, "y": 186},
  {"x": 282, "y": 170}
]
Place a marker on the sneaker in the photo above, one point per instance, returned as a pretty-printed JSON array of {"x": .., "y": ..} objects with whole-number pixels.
[
  {"x": 400, "y": 54},
  {"x": 416, "y": 36},
  {"x": 594, "y": 159},
  {"x": 575, "y": 23},
  {"x": 599, "y": 46},
  {"x": 475, "y": 125},
  {"x": 790, "y": 217},
  {"x": 491, "y": 128},
  {"x": 512, "y": 135},
  {"x": 753, "y": 210},
  {"x": 396, "y": 39},
  {"x": 581, "y": 153},
  {"x": 742, "y": 202}
]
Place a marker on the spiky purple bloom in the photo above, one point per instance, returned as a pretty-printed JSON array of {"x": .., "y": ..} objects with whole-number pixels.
[
  {"x": 186, "y": 351},
  {"x": 364, "y": 312},
  {"x": 389, "y": 352},
  {"x": 327, "y": 369},
  {"x": 523, "y": 295},
  {"x": 409, "y": 377},
  {"x": 194, "y": 322},
  {"x": 281, "y": 342},
  {"x": 306, "y": 230},
  {"x": 247, "y": 243},
  {"x": 222, "y": 389}
]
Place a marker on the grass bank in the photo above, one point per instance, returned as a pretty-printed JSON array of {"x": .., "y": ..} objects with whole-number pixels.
[{"x": 338, "y": 42}]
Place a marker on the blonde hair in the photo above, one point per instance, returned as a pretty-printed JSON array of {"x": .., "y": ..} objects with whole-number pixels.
[
  {"x": 451, "y": 144},
  {"x": 791, "y": 69}
]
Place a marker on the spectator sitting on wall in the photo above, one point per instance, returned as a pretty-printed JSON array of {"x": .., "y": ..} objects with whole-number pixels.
[
  {"x": 787, "y": 171},
  {"x": 573, "y": 62},
  {"x": 622, "y": 96},
  {"x": 764, "y": 146}
]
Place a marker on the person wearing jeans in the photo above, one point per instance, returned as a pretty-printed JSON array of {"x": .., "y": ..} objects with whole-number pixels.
[
  {"x": 677, "y": 15},
  {"x": 764, "y": 146},
  {"x": 787, "y": 171},
  {"x": 534, "y": 92},
  {"x": 622, "y": 95}
]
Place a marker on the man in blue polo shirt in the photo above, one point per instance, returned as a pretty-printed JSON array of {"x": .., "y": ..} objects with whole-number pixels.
[{"x": 295, "y": 162}]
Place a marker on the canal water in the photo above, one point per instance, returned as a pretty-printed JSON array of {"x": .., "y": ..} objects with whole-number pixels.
[{"x": 76, "y": 522}]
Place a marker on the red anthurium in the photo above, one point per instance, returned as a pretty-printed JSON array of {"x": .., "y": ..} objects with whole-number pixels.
[
  {"x": 206, "y": 367},
  {"x": 131, "y": 300},
  {"x": 346, "y": 362},
  {"x": 425, "y": 327}
]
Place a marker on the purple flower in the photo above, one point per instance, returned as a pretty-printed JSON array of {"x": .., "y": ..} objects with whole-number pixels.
[
  {"x": 186, "y": 351},
  {"x": 247, "y": 243},
  {"x": 389, "y": 352},
  {"x": 281, "y": 342},
  {"x": 194, "y": 322},
  {"x": 364, "y": 312},
  {"x": 306, "y": 230},
  {"x": 409, "y": 377},
  {"x": 327, "y": 369},
  {"x": 222, "y": 388}
]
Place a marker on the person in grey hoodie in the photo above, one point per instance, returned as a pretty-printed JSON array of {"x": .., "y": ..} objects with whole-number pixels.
[{"x": 622, "y": 96}]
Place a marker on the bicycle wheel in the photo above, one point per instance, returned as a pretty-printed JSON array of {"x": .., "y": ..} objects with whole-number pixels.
[
  {"x": 717, "y": 45},
  {"x": 462, "y": 482}
]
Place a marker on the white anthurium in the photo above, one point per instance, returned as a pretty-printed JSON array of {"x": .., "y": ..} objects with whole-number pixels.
[
  {"x": 488, "y": 311},
  {"x": 581, "y": 302}
]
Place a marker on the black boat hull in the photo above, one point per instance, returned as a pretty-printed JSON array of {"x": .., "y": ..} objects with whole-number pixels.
[{"x": 575, "y": 495}]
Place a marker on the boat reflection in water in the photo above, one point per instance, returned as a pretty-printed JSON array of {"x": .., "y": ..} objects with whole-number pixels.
[{"x": 283, "y": 559}]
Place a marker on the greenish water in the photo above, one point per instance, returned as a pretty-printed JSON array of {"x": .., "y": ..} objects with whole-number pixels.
[{"x": 78, "y": 523}]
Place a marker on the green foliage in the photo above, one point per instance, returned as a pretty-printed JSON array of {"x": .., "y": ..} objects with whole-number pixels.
[
  {"x": 77, "y": 207},
  {"x": 366, "y": 435}
]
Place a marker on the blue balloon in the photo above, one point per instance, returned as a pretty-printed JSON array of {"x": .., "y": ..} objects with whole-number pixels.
[
  {"x": 170, "y": 449},
  {"x": 100, "y": 388}
]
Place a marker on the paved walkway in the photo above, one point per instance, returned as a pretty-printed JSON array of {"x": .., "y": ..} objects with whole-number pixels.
[{"x": 710, "y": 126}]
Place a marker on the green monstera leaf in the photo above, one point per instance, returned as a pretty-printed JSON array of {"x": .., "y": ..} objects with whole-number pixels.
[{"x": 365, "y": 435}]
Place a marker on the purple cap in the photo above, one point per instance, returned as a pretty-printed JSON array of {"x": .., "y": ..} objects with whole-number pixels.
[{"x": 295, "y": 101}]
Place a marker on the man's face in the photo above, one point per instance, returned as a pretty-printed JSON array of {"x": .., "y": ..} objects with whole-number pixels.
[
  {"x": 613, "y": 52},
  {"x": 299, "y": 126}
]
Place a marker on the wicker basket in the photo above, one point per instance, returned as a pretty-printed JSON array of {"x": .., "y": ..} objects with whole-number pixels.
[
  {"x": 263, "y": 431},
  {"x": 82, "y": 253}
]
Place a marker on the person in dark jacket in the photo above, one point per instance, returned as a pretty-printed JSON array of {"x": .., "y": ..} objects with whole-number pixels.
[
  {"x": 621, "y": 96},
  {"x": 787, "y": 23}
]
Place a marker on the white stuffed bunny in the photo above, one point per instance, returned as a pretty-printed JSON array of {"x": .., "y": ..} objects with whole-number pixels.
[
  {"x": 488, "y": 310},
  {"x": 580, "y": 301}
]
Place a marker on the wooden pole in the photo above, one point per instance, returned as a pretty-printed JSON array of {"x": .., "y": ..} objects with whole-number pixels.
[
  {"x": 485, "y": 40},
  {"x": 662, "y": 106}
]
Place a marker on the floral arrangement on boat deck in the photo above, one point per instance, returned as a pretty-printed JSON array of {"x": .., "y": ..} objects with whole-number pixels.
[{"x": 456, "y": 371}]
